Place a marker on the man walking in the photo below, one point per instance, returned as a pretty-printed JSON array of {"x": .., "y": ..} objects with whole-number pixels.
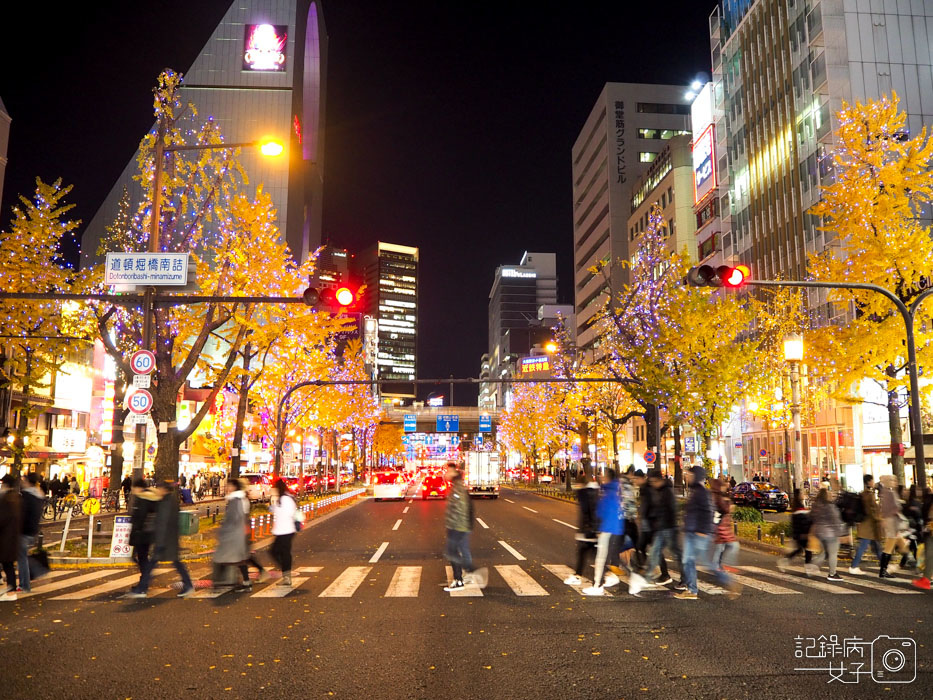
[
  {"x": 698, "y": 526},
  {"x": 166, "y": 542},
  {"x": 870, "y": 530},
  {"x": 458, "y": 520},
  {"x": 10, "y": 516},
  {"x": 33, "y": 501},
  {"x": 660, "y": 523}
]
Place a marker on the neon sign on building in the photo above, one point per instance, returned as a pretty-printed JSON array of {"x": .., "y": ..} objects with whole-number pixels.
[{"x": 264, "y": 48}]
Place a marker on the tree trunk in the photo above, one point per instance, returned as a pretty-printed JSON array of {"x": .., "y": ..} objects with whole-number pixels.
[
  {"x": 678, "y": 458},
  {"x": 242, "y": 405},
  {"x": 166, "y": 461},
  {"x": 897, "y": 437},
  {"x": 119, "y": 419},
  {"x": 22, "y": 425}
]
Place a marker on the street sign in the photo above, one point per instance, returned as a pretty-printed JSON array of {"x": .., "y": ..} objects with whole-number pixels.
[
  {"x": 142, "y": 362},
  {"x": 140, "y": 402},
  {"x": 690, "y": 445},
  {"x": 147, "y": 269},
  {"x": 650, "y": 457},
  {"x": 90, "y": 506},
  {"x": 139, "y": 419},
  {"x": 762, "y": 452},
  {"x": 120, "y": 541},
  {"x": 411, "y": 423},
  {"x": 448, "y": 424},
  {"x": 478, "y": 441},
  {"x": 142, "y": 381},
  {"x": 485, "y": 424}
]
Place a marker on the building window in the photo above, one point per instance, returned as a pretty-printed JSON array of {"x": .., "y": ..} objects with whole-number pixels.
[
  {"x": 662, "y": 108},
  {"x": 647, "y": 133},
  {"x": 646, "y": 156}
]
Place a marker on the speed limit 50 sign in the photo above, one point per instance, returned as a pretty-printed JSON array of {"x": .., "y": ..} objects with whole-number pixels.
[{"x": 140, "y": 402}]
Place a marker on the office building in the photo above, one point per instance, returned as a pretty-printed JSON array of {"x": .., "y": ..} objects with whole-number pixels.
[
  {"x": 668, "y": 183},
  {"x": 517, "y": 293},
  {"x": 4, "y": 143},
  {"x": 332, "y": 268},
  {"x": 261, "y": 74},
  {"x": 627, "y": 128},
  {"x": 390, "y": 273}
]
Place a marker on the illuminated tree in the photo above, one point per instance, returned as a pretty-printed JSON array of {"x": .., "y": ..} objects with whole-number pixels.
[
  {"x": 531, "y": 422},
  {"x": 30, "y": 262},
  {"x": 387, "y": 440},
  {"x": 882, "y": 180}
]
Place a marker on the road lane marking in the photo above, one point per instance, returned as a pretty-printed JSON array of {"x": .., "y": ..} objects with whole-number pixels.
[
  {"x": 480, "y": 521},
  {"x": 105, "y": 587},
  {"x": 405, "y": 582},
  {"x": 406, "y": 509},
  {"x": 397, "y": 523},
  {"x": 509, "y": 501},
  {"x": 67, "y": 583},
  {"x": 468, "y": 591},
  {"x": 308, "y": 569},
  {"x": 562, "y": 571},
  {"x": 771, "y": 588},
  {"x": 375, "y": 557},
  {"x": 521, "y": 583},
  {"x": 345, "y": 585},
  {"x": 819, "y": 585},
  {"x": 531, "y": 509},
  {"x": 211, "y": 592},
  {"x": 877, "y": 585},
  {"x": 573, "y": 527},
  {"x": 511, "y": 550},
  {"x": 277, "y": 590}
]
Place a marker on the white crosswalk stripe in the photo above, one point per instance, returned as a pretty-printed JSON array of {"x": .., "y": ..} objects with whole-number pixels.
[
  {"x": 879, "y": 586},
  {"x": 562, "y": 571},
  {"x": 405, "y": 582},
  {"x": 68, "y": 582},
  {"x": 834, "y": 588},
  {"x": 210, "y": 592},
  {"x": 277, "y": 590},
  {"x": 345, "y": 585},
  {"x": 764, "y": 586},
  {"x": 470, "y": 591},
  {"x": 521, "y": 583},
  {"x": 112, "y": 585}
]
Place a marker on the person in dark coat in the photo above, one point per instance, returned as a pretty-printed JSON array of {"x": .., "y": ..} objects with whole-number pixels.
[
  {"x": 232, "y": 546},
  {"x": 33, "y": 500},
  {"x": 587, "y": 500},
  {"x": 10, "y": 519},
  {"x": 127, "y": 486},
  {"x": 659, "y": 508},
  {"x": 165, "y": 542},
  {"x": 698, "y": 527},
  {"x": 142, "y": 525}
]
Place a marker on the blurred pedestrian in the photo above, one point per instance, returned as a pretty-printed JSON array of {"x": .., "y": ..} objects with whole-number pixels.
[
  {"x": 165, "y": 542},
  {"x": 870, "y": 529},
  {"x": 284, "y": 509},
  {"x": 800, "y": 523},
  {"x": 458, "y": 520},
  {"x": 659, "y": 523},
  {"x": 33, "y": 500},
  {"x": 587, "y": 493},
  {"x": 698, "y": 527},
  {"x": 232, "y": 550},
  {"x": 927, "y": 509},
  {"x": 725, "y": 543},
  {"x": 611, "y": 519},
  {"x": 912, "y": 511},
  {"x": 628, "y": 488},
  {"x": 10, "y": 518},
  {"x": 127, "y": 486},
  {"x": 827, "y": 527},
  {"x": 894, "y": 524},
  {"x": 142, "y": 525}
]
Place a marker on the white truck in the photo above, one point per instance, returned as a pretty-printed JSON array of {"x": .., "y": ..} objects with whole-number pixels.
[{"x": 482, "y": 474}]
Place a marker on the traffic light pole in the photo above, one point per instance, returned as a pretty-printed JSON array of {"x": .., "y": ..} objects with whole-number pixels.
[{"x": 908, "y": 314}]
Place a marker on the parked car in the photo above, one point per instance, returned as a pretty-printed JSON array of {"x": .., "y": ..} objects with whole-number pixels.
[
  {"x": 258, "y": 486},
  {"x": 545, "y": 479},
  {"x": 760, "y": 495}
]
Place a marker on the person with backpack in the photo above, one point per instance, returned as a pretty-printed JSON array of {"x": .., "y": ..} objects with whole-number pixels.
[
  {"x": 870, "y": 530},
  {"x": 587, "y": 493}
]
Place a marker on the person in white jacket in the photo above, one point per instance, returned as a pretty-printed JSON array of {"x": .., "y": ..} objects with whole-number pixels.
[{"x": 284, "y": 510}]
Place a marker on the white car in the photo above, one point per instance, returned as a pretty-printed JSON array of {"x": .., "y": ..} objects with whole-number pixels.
[
  {"x": 390, "y": 485},
  {"x": 257, "y": 487},
  {"x": 545, "y": 479}
]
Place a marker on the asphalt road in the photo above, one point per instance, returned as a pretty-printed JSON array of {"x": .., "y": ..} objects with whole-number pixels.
[{"x": 549, "y": 642}]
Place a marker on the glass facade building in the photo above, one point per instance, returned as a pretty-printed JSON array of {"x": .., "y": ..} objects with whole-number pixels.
[{"x": 261, "y": 74}]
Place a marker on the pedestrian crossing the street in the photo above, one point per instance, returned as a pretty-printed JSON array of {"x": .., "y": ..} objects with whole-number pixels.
[{"x": 523, "y": 580}]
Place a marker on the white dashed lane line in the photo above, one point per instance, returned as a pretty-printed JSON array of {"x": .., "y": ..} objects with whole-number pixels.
[
  {"x": 529, "y": 509},
  {"x": 397, "y": 523},
  {"x": 573, "y": 527},
  {"x": 511, "y": 550},
  {"x": 508, "y": 501},
  {"x": 480, "y": 521},
  {"x": 378, "y": 553}
]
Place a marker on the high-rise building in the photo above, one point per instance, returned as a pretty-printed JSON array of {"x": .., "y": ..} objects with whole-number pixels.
[
  {"x": 4, "y": 143},
  {"x": 517, "y": 293},
  {"x": 390, "y": 273},
  {"x": 332, "y": 268},
  {"x": 781, "y": 70},
  {"x": 628, "y": 127},
  {"x": 261, "y": 74}
]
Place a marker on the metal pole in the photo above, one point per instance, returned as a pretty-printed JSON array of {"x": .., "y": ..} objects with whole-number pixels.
[{"x": 795, "y": 419}]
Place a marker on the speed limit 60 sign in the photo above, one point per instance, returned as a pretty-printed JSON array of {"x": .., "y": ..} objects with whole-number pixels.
[
  {"x": 140, "y": 402},
  {"x": 142, "y": 362}
]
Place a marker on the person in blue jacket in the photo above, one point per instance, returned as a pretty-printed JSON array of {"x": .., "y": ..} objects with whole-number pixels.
[{"x": 611, "y": 518}]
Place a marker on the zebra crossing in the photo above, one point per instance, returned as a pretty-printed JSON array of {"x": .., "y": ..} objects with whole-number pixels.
[{"x": 414, "y": 581}]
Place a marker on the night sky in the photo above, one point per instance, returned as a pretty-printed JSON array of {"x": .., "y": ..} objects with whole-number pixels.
[{"x": 449, "y": 124}]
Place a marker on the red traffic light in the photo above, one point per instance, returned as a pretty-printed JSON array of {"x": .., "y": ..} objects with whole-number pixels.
[
  {"x": 345, "y": 296},
  {"x": 722, "y": 276},
  {"x": 736, "y": 276}
]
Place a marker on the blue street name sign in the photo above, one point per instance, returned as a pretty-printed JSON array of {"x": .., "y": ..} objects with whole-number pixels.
[
  {"x": 411, "y": 423},
  {"x": 448, "y": 424},
  {"x": 485, "y": 424}
]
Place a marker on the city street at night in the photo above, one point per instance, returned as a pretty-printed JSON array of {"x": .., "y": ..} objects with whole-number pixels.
[{"x": 367, "y": 620}]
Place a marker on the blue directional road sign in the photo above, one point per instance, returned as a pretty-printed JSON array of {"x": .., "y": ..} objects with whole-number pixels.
[
  {"x": 448, "y": 424},
  {"x": 485, "y": 424},
  {"x": 411, "y": 423},
  {"x": 478, "y": 441}
]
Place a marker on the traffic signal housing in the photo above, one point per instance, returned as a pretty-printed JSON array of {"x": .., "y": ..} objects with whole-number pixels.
[
  {"x": 722, "y": 276},
  {"x": 334, "y": 299}
]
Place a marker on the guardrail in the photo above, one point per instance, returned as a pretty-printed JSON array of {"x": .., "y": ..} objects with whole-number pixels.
[{"x": 261, "y": 525}]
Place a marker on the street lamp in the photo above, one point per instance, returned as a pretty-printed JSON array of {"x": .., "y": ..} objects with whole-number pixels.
[
  {"x": 268, "y": 147},
  {"x": 550, "y": 347},
  {"x": 793, "y": 355}
]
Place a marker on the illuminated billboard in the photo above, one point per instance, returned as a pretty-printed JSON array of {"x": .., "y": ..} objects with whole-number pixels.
[
  {"x": 538, "y": 363},
  {"x": 264, "y": 47},
  {"x": 704, "y": 165}
]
